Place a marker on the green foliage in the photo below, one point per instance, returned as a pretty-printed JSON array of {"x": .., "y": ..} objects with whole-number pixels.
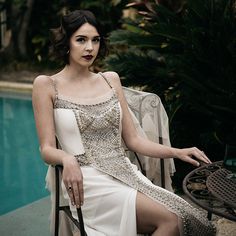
[
  {"x": 45, "y": 16},
  {"x": 188, "y": 57}
]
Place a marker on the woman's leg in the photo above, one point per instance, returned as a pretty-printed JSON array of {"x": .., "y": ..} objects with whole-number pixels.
[{"x": 154, "y": 218}]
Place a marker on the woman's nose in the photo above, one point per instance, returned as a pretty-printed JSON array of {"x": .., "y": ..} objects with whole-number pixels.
[{"x": 89, "y": 46}]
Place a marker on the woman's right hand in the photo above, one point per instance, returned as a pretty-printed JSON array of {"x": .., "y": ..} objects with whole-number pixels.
[
  {"x": 73, "y": 180},
  {"x": 192, "y": 155}
]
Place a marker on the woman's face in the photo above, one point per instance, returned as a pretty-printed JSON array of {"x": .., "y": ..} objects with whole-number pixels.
[{"x": 84, "y": 45}]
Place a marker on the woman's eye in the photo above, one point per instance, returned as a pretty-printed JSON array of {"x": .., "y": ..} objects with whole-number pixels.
[
  {"x": 96, "y": 40},
  {"x": 80, "y": 40}
]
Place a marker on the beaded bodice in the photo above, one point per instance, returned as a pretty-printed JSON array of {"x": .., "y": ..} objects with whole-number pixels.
[{"x": 99, "y": 126}]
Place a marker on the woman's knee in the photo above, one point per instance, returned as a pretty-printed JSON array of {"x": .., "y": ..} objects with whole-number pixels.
[
  {"x": 171, "y": 224},
  {"x": 171, "y": 217},
  {"x": 151, "y": 215}
]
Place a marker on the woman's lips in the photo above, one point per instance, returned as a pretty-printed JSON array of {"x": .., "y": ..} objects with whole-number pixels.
[{"x": 88, "y": 57}]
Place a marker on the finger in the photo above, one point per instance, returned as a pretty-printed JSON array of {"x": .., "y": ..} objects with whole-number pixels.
[
  {"x": 76, "y": 194},
  {"x": 192, "y": 161},
  {"x": 205, "y": 156},
  {"x": 201, "y": 155},
  {"x": 70, "y": 193},
  {"x": 81, "y": 193}
]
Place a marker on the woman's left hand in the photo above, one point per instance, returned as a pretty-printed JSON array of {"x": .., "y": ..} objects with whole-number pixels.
[{"x": 192, "y": 155}]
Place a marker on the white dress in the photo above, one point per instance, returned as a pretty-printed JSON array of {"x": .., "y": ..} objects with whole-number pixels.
[{"x": 91, "y": 131}]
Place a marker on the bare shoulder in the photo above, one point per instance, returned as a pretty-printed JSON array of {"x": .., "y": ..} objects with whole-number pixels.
[
  {"x": 113, "y": 77},
  {"x": 42, "y": 81},
  {"x": 111, "y": 74},
  {"x": 43, "y": 86}
]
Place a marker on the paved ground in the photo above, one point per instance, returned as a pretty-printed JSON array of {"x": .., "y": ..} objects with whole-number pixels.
[
  {"x": 33, "y": 219},
  {"x": 30, "y": 220}
]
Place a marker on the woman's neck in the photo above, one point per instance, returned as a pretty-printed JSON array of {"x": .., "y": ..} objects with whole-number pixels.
[{"x": 77, "y": 73}]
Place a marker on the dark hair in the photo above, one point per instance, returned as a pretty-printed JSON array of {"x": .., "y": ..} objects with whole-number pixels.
[{"x": 69, "y": 24}]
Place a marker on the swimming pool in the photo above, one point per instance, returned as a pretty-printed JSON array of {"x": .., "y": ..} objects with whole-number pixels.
[{"x": 22, "y": 171}]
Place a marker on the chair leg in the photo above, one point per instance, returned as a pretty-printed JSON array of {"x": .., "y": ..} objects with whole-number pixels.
[
  {"x": 81, "y": 222},
  {"x": 56, "y": 226},
  {"x": 209, "y": 215},
  {"x": 163, "y": 184},
  {"x": 162, "y": 162}
]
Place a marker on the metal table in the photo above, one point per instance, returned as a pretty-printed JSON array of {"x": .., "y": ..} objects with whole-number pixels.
[{"x": 208, "y": 187}]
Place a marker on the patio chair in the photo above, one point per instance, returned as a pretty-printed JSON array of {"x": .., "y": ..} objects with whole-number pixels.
[{"x": 147, "y": 112}]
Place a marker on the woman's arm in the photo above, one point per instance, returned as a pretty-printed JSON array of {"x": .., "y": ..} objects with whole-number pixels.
[
  {"x": 144, "y": 146},
  {"x": 42, "y": 99}
]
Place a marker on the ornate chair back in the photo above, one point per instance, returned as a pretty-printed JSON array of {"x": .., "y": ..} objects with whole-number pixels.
[{"x": 151, "y": 121}]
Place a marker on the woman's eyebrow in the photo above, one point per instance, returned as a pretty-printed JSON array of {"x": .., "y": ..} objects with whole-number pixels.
[
  {"x": 84, "y": 36},
  {"x": 81, "y": 36}
]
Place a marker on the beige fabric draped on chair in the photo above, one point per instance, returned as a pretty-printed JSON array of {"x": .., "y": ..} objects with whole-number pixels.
[{"x": 152, "y": 122}]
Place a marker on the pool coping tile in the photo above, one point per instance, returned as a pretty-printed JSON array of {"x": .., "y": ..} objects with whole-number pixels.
[{"x": 6, "y": 86}]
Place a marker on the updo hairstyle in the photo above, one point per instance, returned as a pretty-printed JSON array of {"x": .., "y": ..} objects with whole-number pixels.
[{"x": 60, "y": 36}]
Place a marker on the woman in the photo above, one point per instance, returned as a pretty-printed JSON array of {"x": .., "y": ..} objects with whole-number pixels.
[{"x": 88, "y": 114}]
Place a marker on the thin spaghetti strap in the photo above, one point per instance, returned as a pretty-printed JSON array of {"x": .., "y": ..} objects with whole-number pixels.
[
  {"x": 105, "y": 79},
  {"x": 54, "y": 86}
]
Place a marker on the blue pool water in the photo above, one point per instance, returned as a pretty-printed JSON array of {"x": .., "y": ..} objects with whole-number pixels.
[{"x": 22, "y": 171}]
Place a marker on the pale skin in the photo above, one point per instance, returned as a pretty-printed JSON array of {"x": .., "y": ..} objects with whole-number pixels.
[{"x": 76, "y": 81}]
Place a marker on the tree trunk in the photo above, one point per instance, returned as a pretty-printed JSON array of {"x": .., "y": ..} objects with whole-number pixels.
[
  {"x": 22, "y": 36},
  {"x": 19, "y": 17}
]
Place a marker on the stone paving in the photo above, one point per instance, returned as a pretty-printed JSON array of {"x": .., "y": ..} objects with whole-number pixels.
[{"x": 223, "y": 226}]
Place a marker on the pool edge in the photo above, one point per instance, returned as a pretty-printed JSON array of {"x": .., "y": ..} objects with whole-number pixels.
[{"x": 17, "y": 87}]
